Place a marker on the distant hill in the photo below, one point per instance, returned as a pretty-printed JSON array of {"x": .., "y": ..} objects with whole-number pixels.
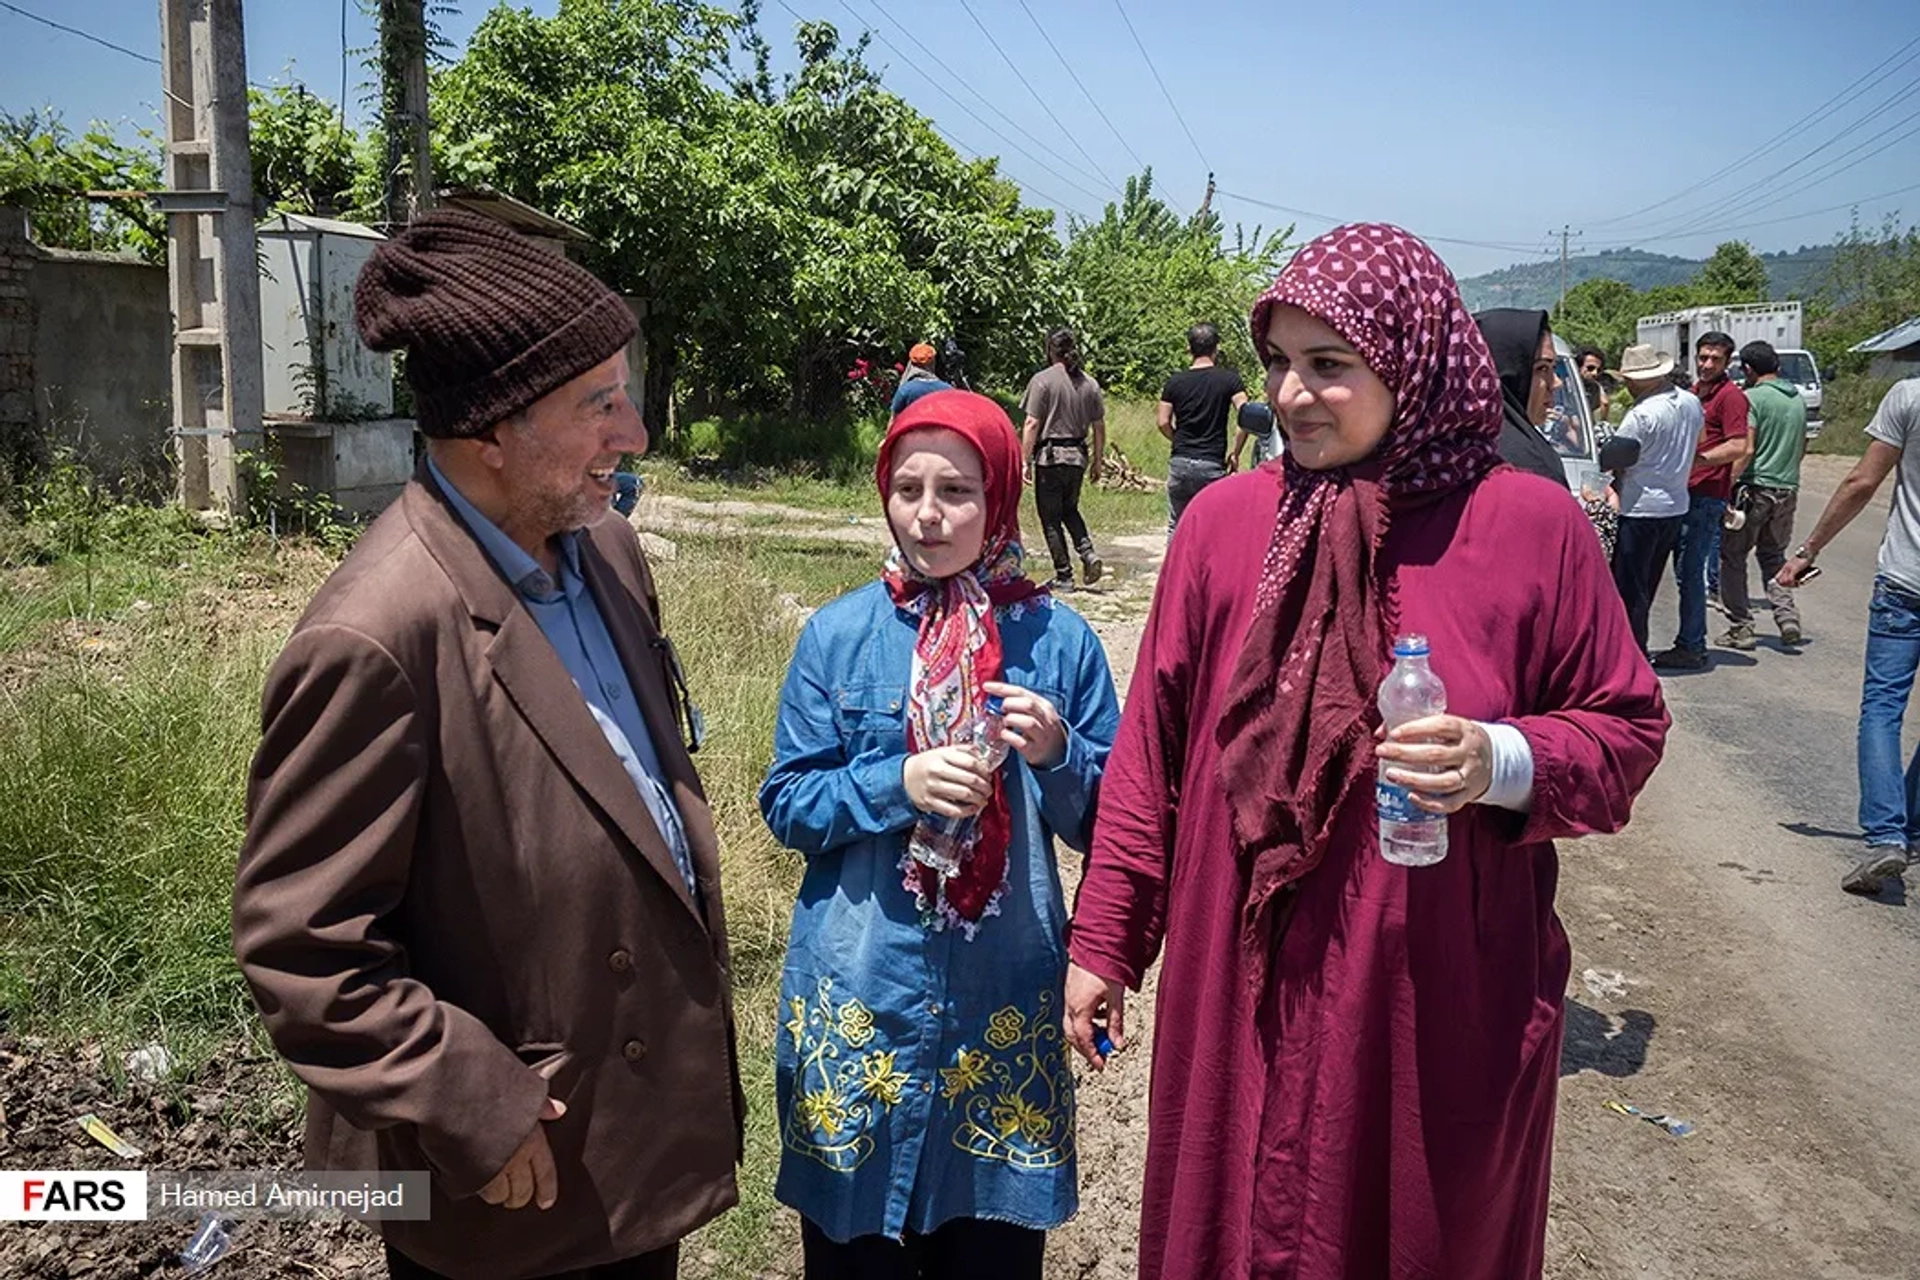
[{"x": 1537, "y": 284}]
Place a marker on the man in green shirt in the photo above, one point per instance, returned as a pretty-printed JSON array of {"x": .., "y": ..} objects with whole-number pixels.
[{"x": 1772, "y": 491}]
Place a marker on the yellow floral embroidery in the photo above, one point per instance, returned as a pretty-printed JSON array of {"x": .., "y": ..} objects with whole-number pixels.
[
  {"x": 856, "y": 1024},
  {"x": 879, "y": 1080},
  {"x": 824, "y": 1110},
  {"x": 1004, "y": 1028},
  {"x": 1027, "y": 1119},
  {"x": 837, "y": 1099},
  {"x": 797, "y": 1024},
  {"x": 969, "y": 1069}
]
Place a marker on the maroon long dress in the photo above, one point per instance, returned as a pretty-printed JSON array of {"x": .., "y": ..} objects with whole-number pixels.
[{"x": 1387, "y": 1108}]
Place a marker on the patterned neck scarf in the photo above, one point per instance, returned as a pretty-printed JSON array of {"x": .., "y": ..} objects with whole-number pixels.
[
  {"x": 1296, "y": 730},
  {"x": 957, "y": 652}
]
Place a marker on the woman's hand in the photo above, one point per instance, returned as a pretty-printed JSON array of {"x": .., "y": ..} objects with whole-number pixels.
[
  {"x": 1091, "y": 997},
  {"x": 1447, "y": 761},
  {"x": 1033, "y": 727},
  {"x": 950, "y": 782}
]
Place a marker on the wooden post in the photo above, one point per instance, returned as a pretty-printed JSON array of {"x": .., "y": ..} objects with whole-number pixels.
[{"x": 212, "y": 266}]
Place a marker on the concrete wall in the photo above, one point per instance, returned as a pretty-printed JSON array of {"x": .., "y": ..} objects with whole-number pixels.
[{"x": 102, "y": 368}]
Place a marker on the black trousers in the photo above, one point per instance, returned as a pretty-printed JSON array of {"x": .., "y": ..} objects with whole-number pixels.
[
  {"x": 661, "y": 1264},
  {"x": 1056, "y": 493},
  {"x": 963, "y": 1249},
  {"x": 1638, "y": 556}
]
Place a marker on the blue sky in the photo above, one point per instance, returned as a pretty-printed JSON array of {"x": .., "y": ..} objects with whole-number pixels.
[{"x": 1483, "y": 121}]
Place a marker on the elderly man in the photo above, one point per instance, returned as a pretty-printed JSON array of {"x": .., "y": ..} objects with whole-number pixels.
[
  {"x": 1663, "y": 426},
  {"x": 479, "y": 901}
]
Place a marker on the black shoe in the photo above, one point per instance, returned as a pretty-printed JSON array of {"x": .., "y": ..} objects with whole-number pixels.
[
  {"x": 1873, "y": 870},
  {"x": 1094, "y": 568},
  {"x": 1678, "y": 659},
  {"x": 1063, "y": 582}
]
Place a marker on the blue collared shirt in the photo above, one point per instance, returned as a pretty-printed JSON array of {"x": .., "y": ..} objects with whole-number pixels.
[{"x": 570, "y": 619}]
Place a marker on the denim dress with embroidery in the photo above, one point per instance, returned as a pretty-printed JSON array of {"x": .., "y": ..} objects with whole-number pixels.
[{"x": 922, "y": 1075}]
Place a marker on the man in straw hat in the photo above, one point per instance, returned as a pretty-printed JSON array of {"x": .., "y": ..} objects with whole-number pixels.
[
  {"x": 1665, "y": 423},
  {"x": 479, "y": 900}
]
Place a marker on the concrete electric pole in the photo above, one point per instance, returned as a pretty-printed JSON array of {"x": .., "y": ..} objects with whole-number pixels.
[
  {"x": 213, "y": 270},
  {"x": 1566, "y": 233},
  {"x": 403, "y": 103}
]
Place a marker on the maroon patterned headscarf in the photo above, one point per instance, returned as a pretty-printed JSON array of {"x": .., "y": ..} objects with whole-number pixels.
[{"x": 1296, "y": 731}]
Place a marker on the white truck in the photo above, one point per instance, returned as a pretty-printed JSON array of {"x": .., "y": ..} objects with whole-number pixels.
[{"x": 1675, "y": 333}]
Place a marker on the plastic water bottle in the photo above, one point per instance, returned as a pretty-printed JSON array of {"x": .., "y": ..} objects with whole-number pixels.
[
  {"x": 1409, "y": 836},
  {"x": 939, "y": 841}
]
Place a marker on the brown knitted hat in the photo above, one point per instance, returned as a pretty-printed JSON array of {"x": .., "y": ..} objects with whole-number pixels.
[{"x": 490, "y": 321}]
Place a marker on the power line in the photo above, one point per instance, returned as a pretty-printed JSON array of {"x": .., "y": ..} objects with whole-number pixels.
[
  {"x": 1105, "y": 119},
  {"x": 1054, "y": 200},
  {"x": 1331, "y": 220},
  {"x": 1163, "y": 85},
  {"x": 84, "y": 35},
  {"x": 1808, "y": 181},
  {"x": 1034, "y": 94},
  {"x": 1805, "y": 122},
  {"x": 1759, "y": 186},
  {"x": 961, "y": 80},
  {"x": 1765, "y": 222}
]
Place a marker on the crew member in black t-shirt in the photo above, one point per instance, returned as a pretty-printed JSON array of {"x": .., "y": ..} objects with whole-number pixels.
[{"x": 1195, "y": 409}]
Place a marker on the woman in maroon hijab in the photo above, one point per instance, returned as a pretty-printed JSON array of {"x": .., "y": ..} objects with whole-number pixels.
[{"x": 1355, "y": 1062}]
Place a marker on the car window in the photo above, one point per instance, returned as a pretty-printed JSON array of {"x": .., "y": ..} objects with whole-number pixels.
[
  {"x": 1797, "y": 367},
  {"x": 1569, "y": 426}
]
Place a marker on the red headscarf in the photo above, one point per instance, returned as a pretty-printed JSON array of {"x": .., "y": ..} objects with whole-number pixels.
[
  {"x": 958, "y": 648},
  {"x": 1296, "y": 729}
]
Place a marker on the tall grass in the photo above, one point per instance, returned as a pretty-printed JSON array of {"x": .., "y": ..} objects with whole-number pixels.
[{"x": 121, "y": 781}]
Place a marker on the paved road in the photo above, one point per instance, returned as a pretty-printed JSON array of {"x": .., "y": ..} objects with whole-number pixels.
[{"x": 1778, "y": 1014}]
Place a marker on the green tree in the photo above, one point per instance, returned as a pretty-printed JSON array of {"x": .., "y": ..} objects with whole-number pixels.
[
  {"x": 47, "y": 170},
  {"x": 1734, "y": 274},
  {"x": 776, "y": 234},
  {"x": 1146, "y": 274},
  {"x": 305, "y": 159},
  {"x": 1871, "y": 285},
  {"x": 1600, "y": 313}
]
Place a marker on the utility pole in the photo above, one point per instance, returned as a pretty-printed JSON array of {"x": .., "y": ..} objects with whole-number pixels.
[
  {"x": 213, "y": 271},
  {"x": 408, "y": 186},
  {"x": 1206, "y": 205},
  {"x": 1566, "y": 233}
]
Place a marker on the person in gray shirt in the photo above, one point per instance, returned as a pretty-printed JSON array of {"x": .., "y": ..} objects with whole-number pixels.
[{"x": 1889, "y": 794}]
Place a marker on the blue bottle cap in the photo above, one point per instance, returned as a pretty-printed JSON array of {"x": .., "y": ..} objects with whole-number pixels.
[
  {"x": 996, "y": 706},
  {"x": 1410, "y": 646}
]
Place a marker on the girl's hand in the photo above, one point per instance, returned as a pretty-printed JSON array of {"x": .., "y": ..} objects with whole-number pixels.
[
  {"x": 1033, "y": 727},
  {"x": 951, "y": 782},
  {"x": 1452, "y": 761}
]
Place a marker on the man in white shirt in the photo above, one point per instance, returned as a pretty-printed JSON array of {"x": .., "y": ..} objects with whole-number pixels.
[{"x": 1665, "y": 424}]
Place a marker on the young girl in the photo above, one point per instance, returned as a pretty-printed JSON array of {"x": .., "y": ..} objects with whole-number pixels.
[{"x": 926, "y": 1105}]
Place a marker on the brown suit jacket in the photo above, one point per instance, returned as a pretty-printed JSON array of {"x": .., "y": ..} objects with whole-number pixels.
[{"x": 453, "y": 902}]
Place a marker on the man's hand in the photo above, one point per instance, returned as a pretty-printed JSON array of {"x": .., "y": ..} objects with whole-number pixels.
[
  {"x": 1096, "y": 466},
  {"x": 1091, "y": 997},
  {"x": 1450, "y": 759},
  {"x": 1033, "y": 725},
  {"x": 950, "y": 782},
  {"x": 529, "y": 1174},
  {"x": 1789, "y": 575},
  {"x": 1026, "y": 471}
]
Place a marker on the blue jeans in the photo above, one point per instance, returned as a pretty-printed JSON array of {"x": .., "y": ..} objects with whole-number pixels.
[
  {"x": 1691, "y": 555},
  {"x": 1889, "y": 798}
]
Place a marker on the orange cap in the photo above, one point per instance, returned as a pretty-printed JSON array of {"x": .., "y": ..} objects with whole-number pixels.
[{"x": 922, "y": 354}]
